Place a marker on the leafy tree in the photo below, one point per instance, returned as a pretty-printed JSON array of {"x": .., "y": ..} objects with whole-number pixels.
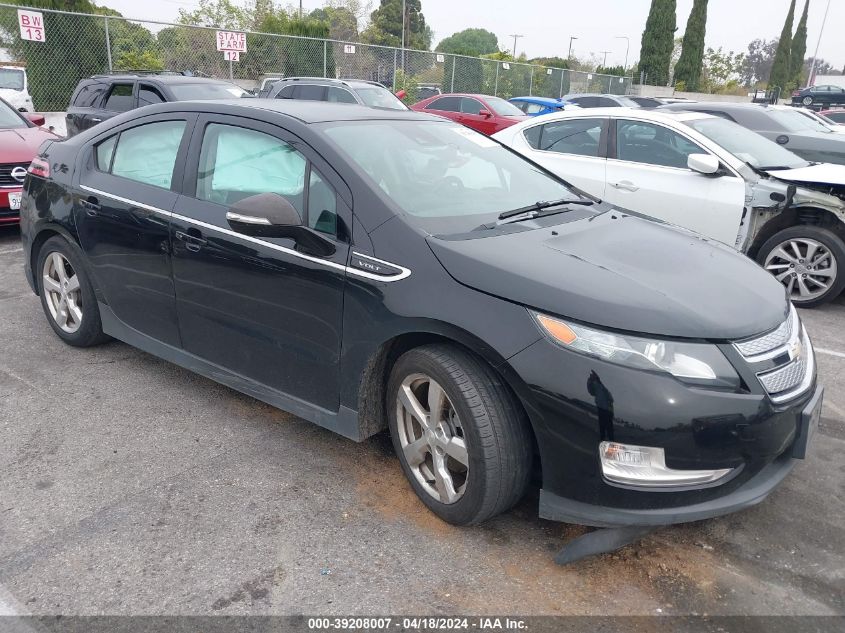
[
  {"x": 721, "y": 71},
  {"x": 75, "y": 47},
  {"x": 223, "y": 14},
  {"x": 688, "y": 68},
  {"x": 473, "y": 42},
  {"x": 758, "y": 61},
  {"x": 781, "y": 66},
  {"x": 657, "y": 41},
  {"x": 799, "y": 48},
  {"x": 301, "y": 57},
  {"x": 386, "y": 25},
  {"x": 342, "y": 23}
]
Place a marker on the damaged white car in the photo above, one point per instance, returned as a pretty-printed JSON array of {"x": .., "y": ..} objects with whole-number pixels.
[{"x": 709, "y": 175}]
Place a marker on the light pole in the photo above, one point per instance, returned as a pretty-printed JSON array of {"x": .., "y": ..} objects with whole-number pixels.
[
  {"x": 818, "y": 43},
  {"x": 403, "y": 37},
  {"x": 515, "y": 37},
  {"x": 604, "y": 63},
  {"x": 627, "y": 46},
  {"x": 569, "y": 56}
]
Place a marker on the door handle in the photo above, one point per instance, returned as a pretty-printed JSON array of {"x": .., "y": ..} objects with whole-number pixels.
[
  {"x": 192, "y": 242},
  {"x": 96, "y": 119},
  {"x": 625, "y": 185},
  {"x": 91, "y": 206}
]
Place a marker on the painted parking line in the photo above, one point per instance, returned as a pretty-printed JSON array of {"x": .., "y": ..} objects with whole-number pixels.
[
  {"x": 829, "y": 352},
  {"x": 12, "y": 250}
]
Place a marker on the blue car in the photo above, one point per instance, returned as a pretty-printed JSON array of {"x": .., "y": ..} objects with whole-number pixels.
[{"x": 535, "y": 106}]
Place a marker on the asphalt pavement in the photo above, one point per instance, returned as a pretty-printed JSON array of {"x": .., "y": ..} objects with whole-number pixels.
[{"x": 131, "y": 486}]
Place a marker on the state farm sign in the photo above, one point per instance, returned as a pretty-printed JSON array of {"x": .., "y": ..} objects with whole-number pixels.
[{"x": 231, "y": 41}]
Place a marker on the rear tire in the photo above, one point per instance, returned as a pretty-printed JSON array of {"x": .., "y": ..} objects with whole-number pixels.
[
  {"x": 67, "y": 295},
  {"x": 809, "y": 261},
  {"x": 807, "y": 101},
  {"x": 471, "y": 459}
]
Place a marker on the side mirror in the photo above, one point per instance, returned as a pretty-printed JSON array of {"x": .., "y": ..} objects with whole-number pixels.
[
  {"x": 271, "y": 215},
  {"x": 485, "y": 113},
  {"x": 37, "y": 119},
  {"x": 706, "y": 164}
]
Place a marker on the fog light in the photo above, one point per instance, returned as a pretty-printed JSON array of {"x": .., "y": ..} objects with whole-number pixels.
[{"x": 646, "y": 466}]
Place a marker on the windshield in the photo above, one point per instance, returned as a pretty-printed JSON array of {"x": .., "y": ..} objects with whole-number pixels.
[
  {"x": 746, "y": 145},
  {"x": 502, "y": 107},
  {"x": 11, "y": 78},
  {"x": 9, "y": 118},
  {"x": 445, "y": 177},
  {"x": 205, "y": 91},
  {"x": 796, "y": 122},
  {"x": 376, "y": 97}
]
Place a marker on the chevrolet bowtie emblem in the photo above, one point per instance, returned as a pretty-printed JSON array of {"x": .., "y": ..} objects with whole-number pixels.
[{"x": 796, "y": 350}]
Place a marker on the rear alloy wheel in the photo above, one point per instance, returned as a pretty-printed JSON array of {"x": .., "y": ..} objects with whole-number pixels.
[
  {"x": 460, "y": 434},
  {"x": 67, "y": 295},
  {"x": 807, "y": 101},
  {"x": 808, "y": 261}
]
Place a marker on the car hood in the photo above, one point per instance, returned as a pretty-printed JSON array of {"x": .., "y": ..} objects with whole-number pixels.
[
  {"x": 19, "y": 145},
  {"x": 622, "y": 272},
  {"x": 821, "y": 174},
  {"x": 15, "y": 97}
]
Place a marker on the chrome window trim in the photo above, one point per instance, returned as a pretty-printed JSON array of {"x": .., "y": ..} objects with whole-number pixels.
[{"x": 405, "y": 272}]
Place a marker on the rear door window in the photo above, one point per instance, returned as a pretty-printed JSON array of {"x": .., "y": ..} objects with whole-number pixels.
[
  {"x": 89, "y": 95},
  {"x": 145, "y": 154},
  {"x": 148, "y": 95},
  {"x": 120, "y": 98},
  {"x": 581, "y": 137},
  {"x": 310, "y": 92},
  {"x": 445, "y": 104}
]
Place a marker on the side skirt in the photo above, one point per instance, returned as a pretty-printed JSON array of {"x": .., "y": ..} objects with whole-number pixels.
[{"x": 344, "y": 422}]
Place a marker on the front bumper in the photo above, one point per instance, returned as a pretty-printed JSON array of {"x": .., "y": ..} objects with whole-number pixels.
[{"x": 698, "y": 429}]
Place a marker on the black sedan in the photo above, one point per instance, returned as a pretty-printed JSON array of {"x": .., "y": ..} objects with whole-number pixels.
[
  {"x": 819, "y": 96},
  {"x": 369, "y": 270}
]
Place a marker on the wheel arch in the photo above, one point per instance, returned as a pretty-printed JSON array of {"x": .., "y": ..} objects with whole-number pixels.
[
  {"x": 372, "y": 391},
  {"x": 45, "y": 233},
  {"x": 797, "y": 216}
]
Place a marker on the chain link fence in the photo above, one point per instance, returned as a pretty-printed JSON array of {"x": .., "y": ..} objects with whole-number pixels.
[{"x": 79, "y": 45}]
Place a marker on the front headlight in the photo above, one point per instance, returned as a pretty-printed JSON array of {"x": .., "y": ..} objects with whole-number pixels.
[{"x": 697, "y": 363}]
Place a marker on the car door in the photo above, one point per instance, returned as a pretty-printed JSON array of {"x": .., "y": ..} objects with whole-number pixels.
[
  {"x": 261, "y": 307},
  {"x": 125, "y": 191},
  {"x": 647, "y": 172},
  {"x": 85, "y": 104},
  {"x": 470, "y": 115},
  {"x": 574, "y": 149}
]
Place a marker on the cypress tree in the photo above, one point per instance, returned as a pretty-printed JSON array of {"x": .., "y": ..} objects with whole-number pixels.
[
  {"x": 658, "y": 41},
  {"x": 688, "y": 68},
  {"x": 799, "y": 48},
  {"x": 781, "y": 66}
]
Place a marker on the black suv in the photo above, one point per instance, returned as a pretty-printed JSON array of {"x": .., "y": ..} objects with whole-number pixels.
[
  {"x": 366, "y": 93},
  {"x": 103, "y": 96}
]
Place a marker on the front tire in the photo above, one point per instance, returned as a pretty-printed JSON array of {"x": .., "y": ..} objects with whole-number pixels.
[
  {"x": 67, "y": 295},
  {"x": 809, "y": 261},
  {"x": 460, "y": 434}
]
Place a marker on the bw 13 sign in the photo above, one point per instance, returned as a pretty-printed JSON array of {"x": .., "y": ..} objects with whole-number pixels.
[{"x": 32, "y": 25}]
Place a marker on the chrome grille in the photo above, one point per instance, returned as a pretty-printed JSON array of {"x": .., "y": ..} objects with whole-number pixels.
[
  {"x": 768, "y": 342},
  {"x": 786, "y": 378},
  {"x": 6, "y": 178}
]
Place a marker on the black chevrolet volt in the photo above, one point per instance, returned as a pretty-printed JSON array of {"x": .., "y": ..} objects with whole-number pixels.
[{"x": 372, "y": 269}]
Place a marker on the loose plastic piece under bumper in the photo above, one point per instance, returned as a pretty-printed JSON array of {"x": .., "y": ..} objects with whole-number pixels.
[{"x": 600, "y": 542}]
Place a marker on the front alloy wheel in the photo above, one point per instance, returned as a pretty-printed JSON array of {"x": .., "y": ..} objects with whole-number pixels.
[
  {"x": 806, "y": 260},
  {"x": 62, "y": 292},
  {"x": 432, "y": 438}
]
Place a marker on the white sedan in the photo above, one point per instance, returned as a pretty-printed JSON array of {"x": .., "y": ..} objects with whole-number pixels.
[{"x": 709, "y": 175}]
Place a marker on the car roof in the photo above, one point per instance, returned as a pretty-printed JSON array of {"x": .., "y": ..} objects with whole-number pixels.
[
  {"x": 304, "y": 111},
  {"x": 539, "y": 100},
  {"x": 352, "y": 83},
  {"x": 717, "y": 105},
  {"x": 163, "y": 78},
  {"x": 656, "y": 115},
  {"x": 474, "y": 95}
]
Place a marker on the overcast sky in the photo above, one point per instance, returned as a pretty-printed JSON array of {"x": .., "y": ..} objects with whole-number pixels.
[{"x": 548, "y": 24}]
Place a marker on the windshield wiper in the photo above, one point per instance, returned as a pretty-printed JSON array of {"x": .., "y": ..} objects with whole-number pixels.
[{"x": 533, "y": 210}]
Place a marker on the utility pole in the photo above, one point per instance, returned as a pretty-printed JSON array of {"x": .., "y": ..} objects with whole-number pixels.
[
  {"x": 403, "y": 37},
  {"x": 300, "y": 9},
  {"x": 515, "y": 37},
  {"x": 604, "y": 63},
  {"x": 818, "y": 43},
  {"x": 569, "y": 56},
  {"x": 627, "y": 46}
]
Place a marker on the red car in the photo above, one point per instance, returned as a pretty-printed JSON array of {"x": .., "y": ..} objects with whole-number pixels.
[
  {"x": 482, "y": 113},
  {"x": 837, "y": 116},
  {"x": 20, "y": 138}
]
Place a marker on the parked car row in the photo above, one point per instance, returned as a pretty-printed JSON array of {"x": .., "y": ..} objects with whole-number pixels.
[{"x": 390, "y": 269}]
